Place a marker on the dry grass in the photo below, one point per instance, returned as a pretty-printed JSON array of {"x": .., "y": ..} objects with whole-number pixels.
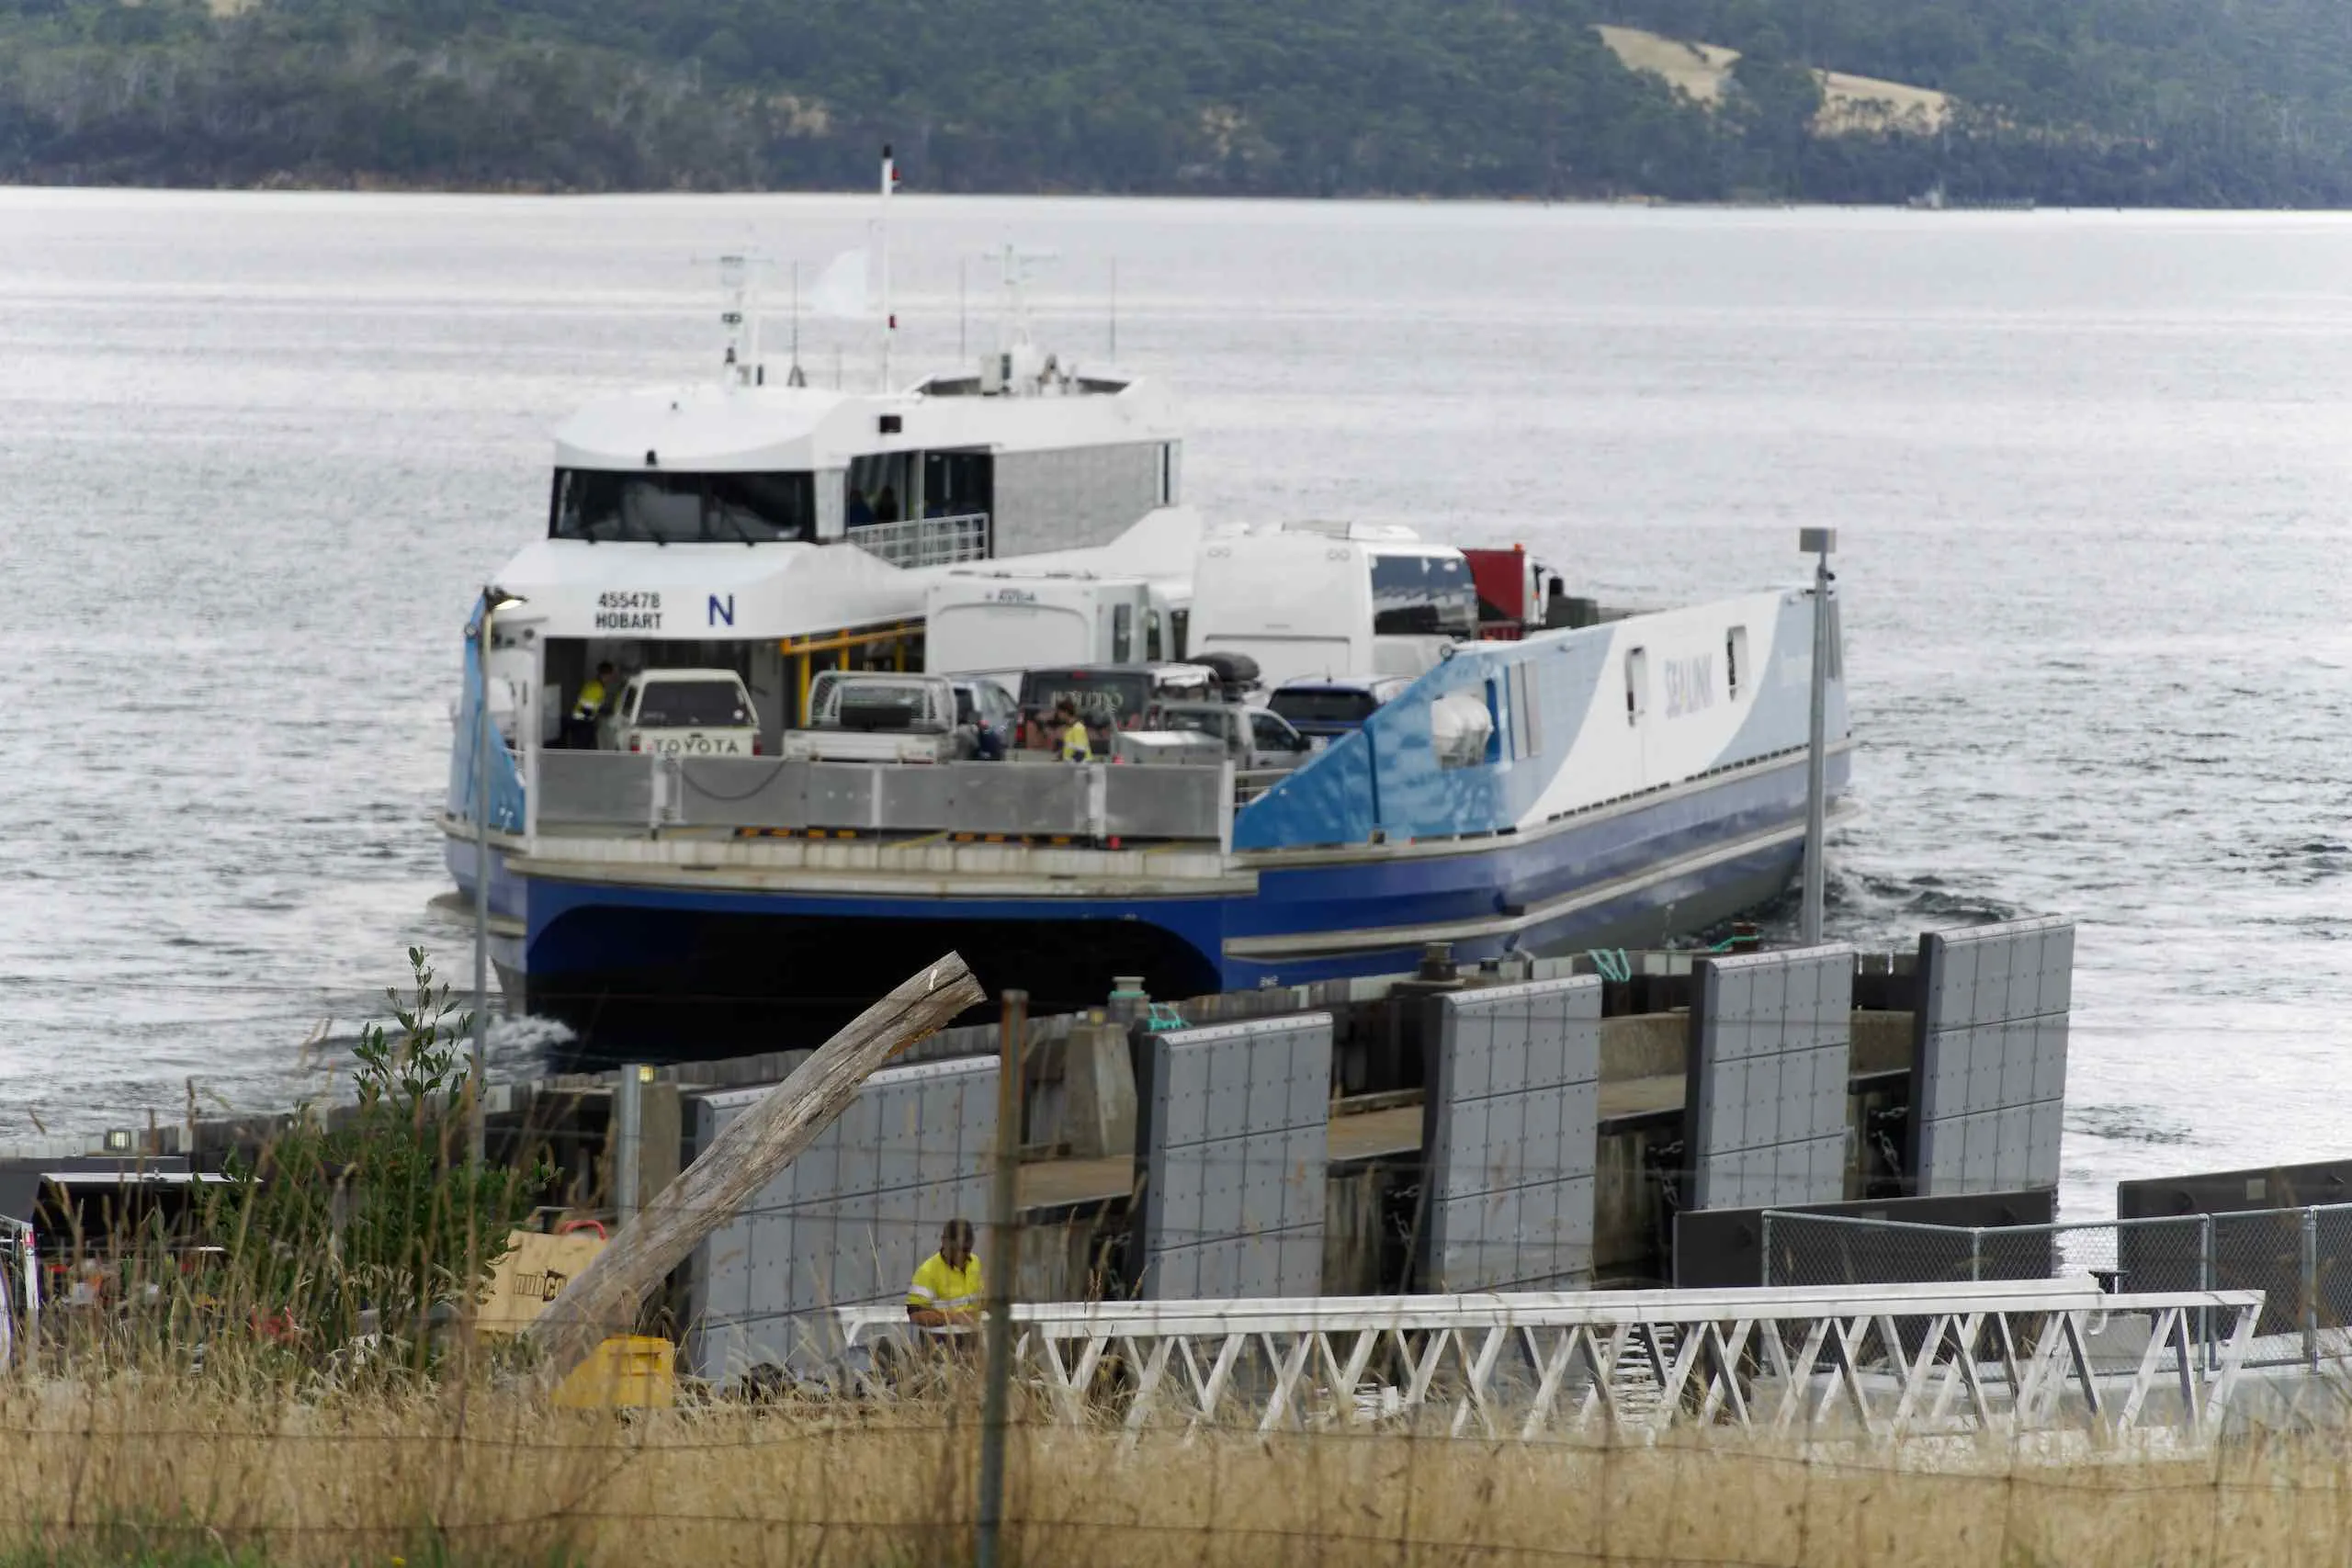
[{"x": 148, "y": 1468}]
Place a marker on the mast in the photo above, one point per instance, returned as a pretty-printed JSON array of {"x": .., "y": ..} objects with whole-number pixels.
[
  {"x": 739, "y": 283},
  {"x": 889, "y": 318}
]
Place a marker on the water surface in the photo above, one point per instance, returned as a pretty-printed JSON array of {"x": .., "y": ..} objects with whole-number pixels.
[{"x": 256, "y": 451}]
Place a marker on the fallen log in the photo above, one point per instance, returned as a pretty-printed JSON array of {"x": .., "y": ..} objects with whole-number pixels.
[{"x": 606, "y": 1297}]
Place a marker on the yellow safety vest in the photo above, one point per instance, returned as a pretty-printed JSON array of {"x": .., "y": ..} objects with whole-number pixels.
[
  {"x": 591, "y": 699},
  {"x": 942, "y": 1289},
  {"x": 1075, "y": 746}
]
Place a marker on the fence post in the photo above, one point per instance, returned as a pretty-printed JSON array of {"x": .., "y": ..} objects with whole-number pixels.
[
  {"x": 996, "y": 1273},
  {"x": 2205, "y": 1283},
  {"x": 1766, "y": 1280},
  {"x": 1975, "y": 1253},
  {"x": 2311, "y": 1288}
]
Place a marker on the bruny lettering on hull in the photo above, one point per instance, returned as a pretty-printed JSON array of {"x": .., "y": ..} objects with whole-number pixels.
[{"x": 1689, "y": 685}]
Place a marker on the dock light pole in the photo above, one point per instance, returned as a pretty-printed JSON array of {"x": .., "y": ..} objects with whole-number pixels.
[
  {"x": 494, "y": 600},
  {"x": 1817, "y": 543}
]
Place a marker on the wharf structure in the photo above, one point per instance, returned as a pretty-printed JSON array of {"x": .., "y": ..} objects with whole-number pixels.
[{"x": 1535, "y": 1124}]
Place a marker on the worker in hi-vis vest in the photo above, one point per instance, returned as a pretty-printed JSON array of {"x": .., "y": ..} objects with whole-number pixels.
[
  {"x": 580, "y": 729},
  {"x": 1065, "y": 733},
  {"x": 944, "y": 1300}
]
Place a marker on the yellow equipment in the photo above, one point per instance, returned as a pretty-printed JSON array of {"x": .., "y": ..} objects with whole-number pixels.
[
  {"x": 532, "y": 1272},
  {"x": 628, "y": 1371}
]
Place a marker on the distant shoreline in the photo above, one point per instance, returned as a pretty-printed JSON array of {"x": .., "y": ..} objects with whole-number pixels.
[{"x": 288, "y": 186}]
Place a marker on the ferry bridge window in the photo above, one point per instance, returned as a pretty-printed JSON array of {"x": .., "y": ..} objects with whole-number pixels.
[
  {"x": 653, "y": 507},
  {"x": 1423, "y": 596},
  {"x": 957, "y": 484}
]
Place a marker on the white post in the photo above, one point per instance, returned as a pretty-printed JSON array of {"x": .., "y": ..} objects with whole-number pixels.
[
  {"x": 889, "y": 319},
  {"x": 628, "y": 1137},
  {"x": 534, "y": 716},
  {"x": 32, "y": 1281},
  {"x": 493, "y": 600},
  {"x": 1817, "y": 543},
  {"x": 477, "y": 1129}
]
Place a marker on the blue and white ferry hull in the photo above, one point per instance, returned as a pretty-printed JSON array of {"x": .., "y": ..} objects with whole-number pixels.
[{"x": 1637, "y": 781}]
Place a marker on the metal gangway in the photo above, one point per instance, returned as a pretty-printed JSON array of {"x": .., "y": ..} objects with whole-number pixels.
[{"x": 1878, "y": 1360}]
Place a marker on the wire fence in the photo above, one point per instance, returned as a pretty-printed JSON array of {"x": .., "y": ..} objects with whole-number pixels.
[
  {"x": 2299, "y": 1259},
  {"x": 434, "y": 1478}
]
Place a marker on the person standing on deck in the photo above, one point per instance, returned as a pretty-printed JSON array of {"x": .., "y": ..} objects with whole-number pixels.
[
  {"x": 580, "y": 734},
  {"x": 944, "y": 1302},
  {"x": 1067, "y": 735}
]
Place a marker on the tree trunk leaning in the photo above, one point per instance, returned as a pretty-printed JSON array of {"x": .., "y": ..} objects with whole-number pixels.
[{"x": 608, "y": 1295}]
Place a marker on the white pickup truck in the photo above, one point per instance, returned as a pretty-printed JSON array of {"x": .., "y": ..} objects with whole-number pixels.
[
  {"x": 1257, "y": 739},
  {"x": 683, "y": 713},
  {"x": 877, "y": 716}
]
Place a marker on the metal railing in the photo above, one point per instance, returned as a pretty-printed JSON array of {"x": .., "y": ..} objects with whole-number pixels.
[
  {"x": 19, "y": 1288},
  {"x": 925, "y": 541},
  {"x": 1888, "y": 1359},
  {"x": 1099, "y": 803},
  {"x": 2299, "y": 1259}
]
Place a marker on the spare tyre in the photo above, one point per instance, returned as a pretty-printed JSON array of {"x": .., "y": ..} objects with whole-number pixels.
[{"x": 1232, "y": 668}]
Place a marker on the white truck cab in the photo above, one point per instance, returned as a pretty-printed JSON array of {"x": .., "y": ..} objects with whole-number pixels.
[
  {"x": 683, "y": 713},
  {"x": 1322, "y": 599}
]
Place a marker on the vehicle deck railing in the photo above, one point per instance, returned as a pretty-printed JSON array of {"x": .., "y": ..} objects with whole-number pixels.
[{"x": 1099, "y": 803}]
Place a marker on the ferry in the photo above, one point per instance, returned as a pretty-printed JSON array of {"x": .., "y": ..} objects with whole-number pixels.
[{"x": 1601, "y": 779}]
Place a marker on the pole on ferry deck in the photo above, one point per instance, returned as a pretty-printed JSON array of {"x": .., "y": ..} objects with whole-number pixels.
[
  {"x": 478, "y": 1080},
  {"x": 1817, "y": 543},
  {"x": 889, "y": 315}
]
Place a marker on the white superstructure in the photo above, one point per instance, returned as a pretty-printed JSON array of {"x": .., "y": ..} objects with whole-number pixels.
[{"x": 757, "y": 524}]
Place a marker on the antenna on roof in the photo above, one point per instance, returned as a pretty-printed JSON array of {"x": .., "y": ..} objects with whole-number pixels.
[
  {"x": 796, "y": 376},
  {"x": 739, "y": 283},
  {"x": 1016, "y": 366}
]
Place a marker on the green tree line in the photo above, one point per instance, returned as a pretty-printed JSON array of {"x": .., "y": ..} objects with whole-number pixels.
[{"x": 2223, "y": 102}]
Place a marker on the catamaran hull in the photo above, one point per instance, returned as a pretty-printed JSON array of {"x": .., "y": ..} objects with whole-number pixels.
[{"x": 679, "y": 972}]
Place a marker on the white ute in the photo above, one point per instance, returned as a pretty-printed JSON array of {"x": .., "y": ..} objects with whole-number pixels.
[
  {"x": 874, "y": 716},
  {"x": 683, "y": 713}
]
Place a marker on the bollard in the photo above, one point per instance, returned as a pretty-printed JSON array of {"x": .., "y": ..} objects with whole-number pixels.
[
  {"x": 629, "y": 1138},
  {"x": 1128, "y": 999}
]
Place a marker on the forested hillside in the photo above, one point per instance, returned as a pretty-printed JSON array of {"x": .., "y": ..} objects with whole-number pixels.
[{"x": 2104, "y": 101}]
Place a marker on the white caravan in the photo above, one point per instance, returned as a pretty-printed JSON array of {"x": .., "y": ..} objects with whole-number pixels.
[{"x": 1000, "y": 622}]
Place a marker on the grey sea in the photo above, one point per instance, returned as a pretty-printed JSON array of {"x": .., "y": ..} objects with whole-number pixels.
[{"x": 2088, "y": 472}]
